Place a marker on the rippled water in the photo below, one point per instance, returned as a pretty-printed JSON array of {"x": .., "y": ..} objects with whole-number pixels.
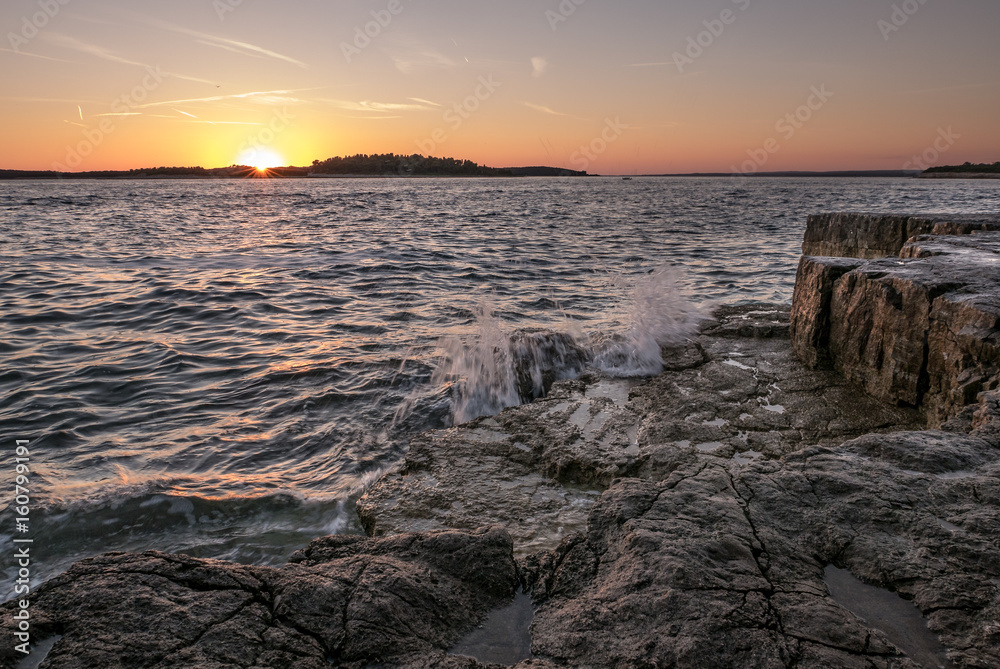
[{"x": 215, "y": 367}]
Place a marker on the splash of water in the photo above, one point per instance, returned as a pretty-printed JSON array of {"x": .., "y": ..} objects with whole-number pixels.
[
  {"x": 494, "y": 368},
  {"x": 658, "y": 315}
]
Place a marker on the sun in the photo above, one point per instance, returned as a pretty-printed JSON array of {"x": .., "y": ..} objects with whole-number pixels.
[{"x": 261, "y": 159}]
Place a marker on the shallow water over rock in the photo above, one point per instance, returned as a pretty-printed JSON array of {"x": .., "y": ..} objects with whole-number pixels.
[
  {"x": 505, "y": 637},
  {"x": 886, "y": 611}
]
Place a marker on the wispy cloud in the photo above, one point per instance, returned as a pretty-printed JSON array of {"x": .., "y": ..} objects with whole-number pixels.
[
  {"x": 222, "y": 122},
  {"x": 543, "y": 109},
  {"x": 381, "y": 107},
  {"x": 425, "y": 102},
  {"x": 72, "y": 43},
  {"x": 422, "y": 60},
  {"x": 539, "y": 66},
  {"x": 249, "y": 50},
  {"x": 67, "y": 42},
  {"x": 271, "y": 98},
  {"x": 224, "y": 43},
  {"x": 35, "y": 55}
]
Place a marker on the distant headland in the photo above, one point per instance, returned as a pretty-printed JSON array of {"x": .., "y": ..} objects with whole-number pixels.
[
  {"x": 360, "y": 165},
  {"x": 965, "y": 171}
]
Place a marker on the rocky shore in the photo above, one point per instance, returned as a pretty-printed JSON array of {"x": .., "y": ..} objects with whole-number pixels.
[{"x": 752, "y": 506}]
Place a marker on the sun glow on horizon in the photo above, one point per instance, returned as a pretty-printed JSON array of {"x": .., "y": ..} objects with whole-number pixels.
[{"x": 261, "y": 159}]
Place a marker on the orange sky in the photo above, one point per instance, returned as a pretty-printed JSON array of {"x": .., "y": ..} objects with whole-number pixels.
[{"x": 611, "y": 87}]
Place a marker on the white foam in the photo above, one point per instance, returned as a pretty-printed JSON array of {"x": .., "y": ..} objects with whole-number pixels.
[{"x": 658, "y": 315}]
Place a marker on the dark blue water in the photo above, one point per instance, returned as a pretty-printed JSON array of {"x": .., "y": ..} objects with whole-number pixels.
[{"x": 219, "y": 367}]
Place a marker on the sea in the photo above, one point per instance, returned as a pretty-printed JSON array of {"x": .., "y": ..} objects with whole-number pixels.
[{"x": 221, "y": 368}]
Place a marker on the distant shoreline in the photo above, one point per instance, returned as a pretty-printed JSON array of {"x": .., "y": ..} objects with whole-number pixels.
[
  {"x": 959, "y": 175},
  {"x": 720, "y": 175}
]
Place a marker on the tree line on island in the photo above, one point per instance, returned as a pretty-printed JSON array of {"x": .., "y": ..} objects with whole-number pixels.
[
  {"x": 365, "y": 165},
  {"x": 967, "y": 168}
]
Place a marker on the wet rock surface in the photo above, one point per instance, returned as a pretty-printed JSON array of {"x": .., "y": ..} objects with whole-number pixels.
[
  {"x": 737, "y": 394},
  {"x": 343, "y": 601},
  {"x": 712, "y": 568}
]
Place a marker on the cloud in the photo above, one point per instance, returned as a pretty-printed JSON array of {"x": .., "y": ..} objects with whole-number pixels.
[
  {"x": 381, "y": 107},
  {"x": 425, "y": 102},
  {"x": 422, "y": 60},
  {"x": 543, "y": 109},
  {"x": 272, "y": 98},
  {"x": 35, "y": 55},
  {"x": 67, "y": 42},
  {"x": 224, "y": 43},
  {"x": 539, "y": 65},
  {"x": 247, "y": 49}
]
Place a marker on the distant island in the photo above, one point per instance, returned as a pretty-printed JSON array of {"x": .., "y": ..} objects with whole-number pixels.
[
  {"x": 360, "y": 165},
  {"x": 965, "y": 171}
]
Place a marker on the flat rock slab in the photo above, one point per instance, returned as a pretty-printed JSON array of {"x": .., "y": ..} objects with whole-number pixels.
[
  {"x": 737, "y": 394},
  {"x": 344, "y": 601}
]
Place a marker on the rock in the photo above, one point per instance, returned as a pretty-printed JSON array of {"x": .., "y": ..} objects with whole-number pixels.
[
  {"x": 871, "y": 236},
  {"x": 344, "y": 600},
  {"x": 712, "y": 568},
  {"x": 752, "y": 321},
  {"x": 542, "y": 358},
  {"x": 537, "y": 469},
  {"x": 810, "y": 315},
  {"x": 986, "y": 419},
  {"x": 922, "y": 331}
]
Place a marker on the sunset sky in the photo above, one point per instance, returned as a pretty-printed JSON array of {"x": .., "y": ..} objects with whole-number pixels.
[{"x": 621, "y": 86}]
